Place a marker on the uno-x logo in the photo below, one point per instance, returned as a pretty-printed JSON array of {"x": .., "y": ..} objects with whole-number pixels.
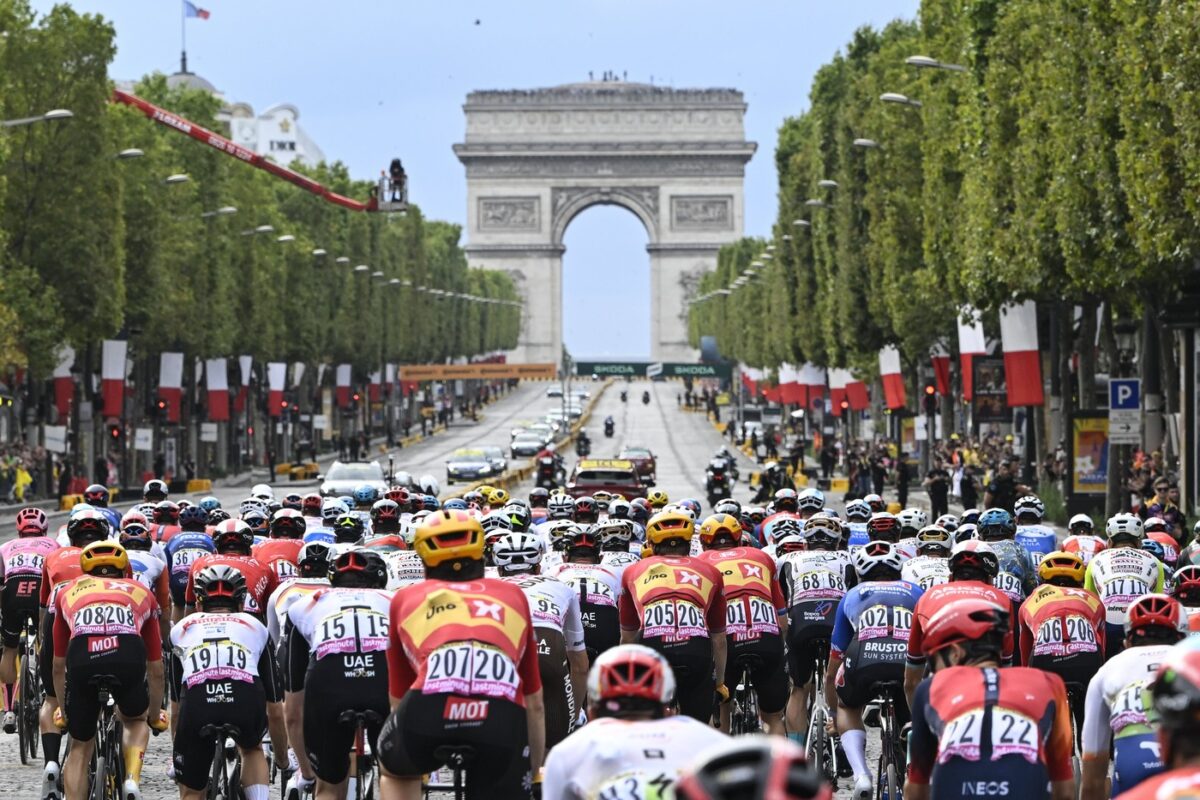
[
  {"x": 751, "y": 571},
  {"x": 491, "y": 610},
  {"x": 687, "y": 577}
]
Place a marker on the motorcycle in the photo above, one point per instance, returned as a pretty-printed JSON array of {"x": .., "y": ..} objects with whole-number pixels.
[
  {"x": 716, "y": 482},
  {"x": 645, "y": 398},
  {"x": 609, "y": 427},
  {"x": 624, "y": 395},
  {"x": 583, "y": 446},
  {"x": 550, "y": 473}
]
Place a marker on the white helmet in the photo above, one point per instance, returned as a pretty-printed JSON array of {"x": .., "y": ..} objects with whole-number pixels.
[
  {"x": 914, "y": 518},
  {"x": 1084, "y": 519},
  {"x": 877, "y": 554},
  {"x": 948, "y": 522},
  {"x": 332, "y": 508},
  {"x": 518, "y": 552},
  {"x": 262, "y": 491},
  {"x": 810, "y": 500},
  {"x": 1124, "y": 525},
  {"x": 429, "y": 485},
  {"x": 1030, "y": 504},
  {"x": 858, "y": 511}
]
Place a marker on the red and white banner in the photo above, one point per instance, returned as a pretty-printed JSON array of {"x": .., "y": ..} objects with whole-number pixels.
[
  {"x": 170, "y": 384},
  {"x": 856, "y": 393},
  {"x": 276, "y": 380},
  {"x": 375, "y": 388},
  {"x": 112, "y": 376},
  {"x": 940, "y": 357},
  {"x": 839, "y": 379},
  {"x": 750, "y": 379},
  {"x": 791, "y": 391},
  {"x": 245, "y": 366},
  {"x": 389, "y": 379},
  {"x": 216, "y": 373},
  {"x": 297, "y": 373},
  {"x": 1022, "y": 361},
  {"x": 971, "y": 343},
  {"x": 894, "y": 395},
  {"x": 813, "y": 379},
  {"x": 343, "y": 385},
  {"x": 64, "y": 382}
]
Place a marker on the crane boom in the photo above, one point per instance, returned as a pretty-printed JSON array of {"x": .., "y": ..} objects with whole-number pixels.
[{"x": 218, "y": 142}]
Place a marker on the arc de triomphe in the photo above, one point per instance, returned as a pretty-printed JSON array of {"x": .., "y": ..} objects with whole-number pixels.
[{"x": 535, "y": 159}]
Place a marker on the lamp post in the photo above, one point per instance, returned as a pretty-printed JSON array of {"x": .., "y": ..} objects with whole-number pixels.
[
  {"x": 925, "y": 62},
  {"x": 899, "y": 99},
  {"x": 49, "y": 116}
]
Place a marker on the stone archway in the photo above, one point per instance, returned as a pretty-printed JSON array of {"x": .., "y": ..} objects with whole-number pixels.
[{"x": 535, "y": 159}]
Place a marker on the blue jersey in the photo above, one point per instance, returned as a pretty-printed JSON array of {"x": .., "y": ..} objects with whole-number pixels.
[
  {"x": 1014, "y": 559},
  {"x": 876, "y": 609},
  {"x": 858, "y": 534},
  {"x": 1038, "y": 540},
  {"x": 322, "y": 535},
  {"x": 182, "y": 550},
  {"x": 114, "y": 517}
]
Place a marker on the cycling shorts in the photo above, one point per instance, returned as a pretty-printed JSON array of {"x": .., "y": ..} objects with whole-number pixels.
[
  {"x": 769, "y": 675},
  {"x": 124, "y": 659},
  {"x": 863, "y": 669},
  {"x": 496, "y": 729},
  {"x": 339, "y": 683},
  {"x": 601, "y": 629},
  {"x": 804, "y": 642},
  {"x": 692, "y": 663},
  {"x": 215, "y": 703},
  {"x": 1077, "y": 669},
  {"x": 1114, "y": 640},
  {"x": 556, "y": 684},
  {"x": 1135, "y": 758},
  {"x": 46, "y": 663},
  {"x": 18, "y": 603}
]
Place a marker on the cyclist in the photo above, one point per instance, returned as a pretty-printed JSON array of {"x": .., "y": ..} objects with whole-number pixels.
[
  {"x": 752, "y": 766},
  {"x": 1119, "y": 714},
  {"x": 633, "y": 746},
  {"x": 442, "y": 632},
  {"x": 876, "y": 503},
  {"x": 981, "y": 731},
  {"x": 312, "y": 575},
  {"x": 1185, "y": 587},
  {"x": 1036, "y": 538},
  {"x": 586, "y": 512},
  {"x": 233, "y": 542},
  {"x": 106, "y": 625},
  {"x": 867, "y": 648},
  {"x": 282, "y": 549},
  {"x": 973, "y": 567},
  {"x": 675, "y": 604},
  {"x": 1122, "y": 573},
  {"x": 97, "y": 497},
  {"x": 557, "y": 626},
  {"x": 1017, "y": 575},
  {"x": 223, "y": 658},
  {"x": 1082, "y": 538},
  {"x": 812, "y": 580},
  {"x": 597, "y": 585},
  {"x": 755, "y": 617},
  {"x": 810, "y": 502},
  {"x": 1157, "y": 530},
  {"x": 1061, "y": 626},
  {"x": 885, "y": 527},
  {"x": 147, "y": 568},
  {"x": 385, "y": 517},
  {"x": 21, "y": 561},
  {"x": 656, "y": 499},
  {"x": 154, "y": 491},
  {"x": 932, "y": 564},
  {"x": 857, "y": 514},
  {"x": 336, "y": 645},
  {"x": 166, "y": 521},
  {"x": 184, "y": 548}
]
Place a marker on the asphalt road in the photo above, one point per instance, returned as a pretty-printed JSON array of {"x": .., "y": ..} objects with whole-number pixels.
[{"x": 682, "y": 441}]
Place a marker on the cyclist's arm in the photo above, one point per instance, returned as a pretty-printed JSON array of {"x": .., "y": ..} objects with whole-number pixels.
[
  {"x": 1161, "y": 581},
  {"x": 535, "y": 706},
  {"x": 1096, "y": 735},
  {"x": 914, "y": 667},
  {"x": 923, "y": 746},
  {"x": 779, "y": 600},
  {"x": 1089, "y": 579},
  {"x": 162, "y": 593},
  {"x": 631, "y": 625},
  {"x": 577, "y": 659},
  {"x": 62, "y": 637},
  {"x": 152, "y": 637}
]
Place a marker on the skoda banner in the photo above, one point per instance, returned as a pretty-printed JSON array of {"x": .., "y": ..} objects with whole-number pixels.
[{"x": 656, "y": 369}]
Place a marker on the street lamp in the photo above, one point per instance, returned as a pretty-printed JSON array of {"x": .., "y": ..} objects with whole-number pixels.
[
  {"x": 130, "y": 153},
  {"x": 827, "y": 184},
  {"x": 223, "y": 211},
  {"x": 178, "y": 177},
  {"x": 318, "y": 252},
  {"x": 49, "y": 116},
  {"x": 362, "y": 268},
  {"x": 287, "y": 237},
  {"x": 814, "y": 202},
  {"x": 342, "y": 260},
  {"x": 899, "y": 99},
  {"x": 925, "y": 62},
  {"x": 802, "y": 223},
  {"x": 869, "y": 144},
  {"x": 377, "y": 274}
]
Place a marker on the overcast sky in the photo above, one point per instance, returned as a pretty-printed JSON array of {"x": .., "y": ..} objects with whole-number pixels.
[{"x": 379, "y": 78}]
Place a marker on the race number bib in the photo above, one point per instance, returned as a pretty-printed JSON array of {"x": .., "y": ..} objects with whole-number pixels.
[
  {"x": 353, "y": 629},
  {"x": 1118, "y": 593},
  {"x": 24, "y": 564},
  {"x": 106, "y": 618},
  {"x": 817, "y": 584},
  {"x": 1132, "y": 706},
  {"x": 1012, "y": 733},
  {"x": 880, "y": 622},
  {"x": 1061, "y": 636},
  {"x": 750, "y": 617},
  {"x": 674, "y": 620},
  {"x": 1011, "y": 585},
  {"x": 593, "y": 592},
  {"x": 182, "y": 559},
  {"x": 635, "y": 786},
  {"x": 217, "y": 659},
  {"x": 285, "y": 569},
  {"x": 471, "y": 668},
  {"x": 546, "y": 612}
]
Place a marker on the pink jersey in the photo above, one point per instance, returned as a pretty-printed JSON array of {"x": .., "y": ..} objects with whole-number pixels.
[{"x": 25, "y": 556}]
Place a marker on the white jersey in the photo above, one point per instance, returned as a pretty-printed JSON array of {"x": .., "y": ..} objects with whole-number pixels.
[
  {"x": 147, "y": 567},
  {"x": 551, "y": 559},
  {"x": 1086, "y": 546},
  {"x": 617, "y": 561},
  {"x": 926, "y": 571},
  {"x": 284, "y": 597},
  {"x": 594, "y": 584},
  {"x": 1121, "y": 575},
  {"x": 613, "y": 758},
  {"x": 813, "y": 575},
  {"x": 404, "y": 568},
  {"x": 219, "y": 647},
  {"x": 343, "y": 620},
  {"x": 552, "y": 604},
  {"x": 907, "y": 548},
  {"x": 1117, "y": 697}
]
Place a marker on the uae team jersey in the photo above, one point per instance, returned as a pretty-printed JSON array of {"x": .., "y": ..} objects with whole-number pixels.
[
  {"x": 672, "y": 598},
  {"x": 1060, "y": 621},
  {"x": 753, "y": 599},
  {"x": 473, "y": 639},
  {"x": 219, "y": 647},
  {"x": 341, "y": 620},
  {"x": 289, "y": 592},
  {"x": 101, "y": 609}
]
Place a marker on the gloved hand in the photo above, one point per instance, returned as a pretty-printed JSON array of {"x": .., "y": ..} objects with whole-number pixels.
[
  {"x": 160, "y": 723},
  {"x": 723, "y": 692},
  {"x": 60, "y": 719},
  {"x": 536, "y": 789}
]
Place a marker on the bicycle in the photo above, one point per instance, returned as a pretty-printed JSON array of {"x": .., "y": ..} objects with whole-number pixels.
[
  {"x": 892, "y": 750},
  {"x": 1076, "y": 692},
  {"x": 820, "y": 746},
  {"x": 29, "y": 693},
  {"x": 456, "y": 758},
  {"x": 365, "y": 773},
  {"x": 225, "y": 782},
  {"x": 106, "y": 775},
  {"x": 743, "y": 712}
]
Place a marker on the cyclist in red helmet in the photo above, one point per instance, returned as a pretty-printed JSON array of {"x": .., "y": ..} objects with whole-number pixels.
[
  {"x": 752, "y": 766},
  {"x": 1185, "y": 587}
]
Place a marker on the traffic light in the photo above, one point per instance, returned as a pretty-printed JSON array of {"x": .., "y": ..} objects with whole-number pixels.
[
  {"x": 250, "y": 431},
  {"x": 930, "y": 399},
  {"x": 845, "y": 404},
  {"x": 114, "y": 433}
]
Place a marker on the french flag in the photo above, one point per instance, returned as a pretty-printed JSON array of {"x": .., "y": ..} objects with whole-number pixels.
[
  {"x": 839, "y": 379},
  {"x": 813, "y": 378},
  {"x": 215, "y": 370},
  {"x": 971, "y": 343},
  {"x": 276, "y": 380},
  {"x": 940, "y": 357},
  {"x": 894, "y": 395},
  {"x": 245, "y": 367},
  {"x": 1022, "y": 361},
  {"x": 190, "y": 10},
  {"x": 856, "y": 393},
  {"x": 389, "y": 379},
  {"x": 343, "y": 385},
  {"x": 112, "y": 376},
  {"x": 170, "y": 384},
  {"x": 64, "y": 382}
]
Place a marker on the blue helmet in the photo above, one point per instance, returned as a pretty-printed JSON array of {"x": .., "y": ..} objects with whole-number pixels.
[
  {"x": 454, "y": 504},
  {"x": 430, "y": 503},
  {"x": 1155, "y": 549},
  {"x": 347, "y": 500},
  {"x": 209, "y": 503},
  {"x": 996, "y": 523},
  {"x": 193, "y": 518},
  {"x": 692, "y": 505},
  {"x": 365, "y": 494}
]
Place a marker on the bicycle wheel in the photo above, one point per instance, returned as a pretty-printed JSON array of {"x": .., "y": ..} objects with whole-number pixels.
[
  {"x": 99, "y": 778},
  {"x": 817, "y": 745},
  {"x": 19, "y": 706},
  {"x": 217, "y": 781},
  {"x": 31, "y": 701}
]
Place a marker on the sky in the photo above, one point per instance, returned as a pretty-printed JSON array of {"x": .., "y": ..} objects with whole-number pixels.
[{"x": 374, "y": 79}]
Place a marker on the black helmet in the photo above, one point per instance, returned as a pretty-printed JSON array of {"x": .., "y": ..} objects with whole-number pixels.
[
  {"x": 313, "y": 560},
  {"x": 154, "y": 491},
  {"x": 88, "y": 526},
  {"x": 538, "y": 497},
  {"x": 288, "y": 523},
  {"x": 96, "y": 495},
  {"x": 385, "y": 516},
  {"x": 359, "y": 567},
  {"x": 220, "y": 582},
  {"x": 348, "y": 529}
]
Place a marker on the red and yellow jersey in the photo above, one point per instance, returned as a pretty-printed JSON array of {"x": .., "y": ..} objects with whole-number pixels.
[
  {"x": 59, "y": 567},
  {"x": 474, "y": 639},
  {"x": 1178, "y": 784},
  {"x": 938, "y": 597},
  {"x": 280, "y": 555},
  {"x": 102, "y": 609},
  {"x": 753, "y": 598},
  {"x": 1061, "y": 621},
  {"x": 674, "y": 598},
  {"x": 260, "y": 580}
]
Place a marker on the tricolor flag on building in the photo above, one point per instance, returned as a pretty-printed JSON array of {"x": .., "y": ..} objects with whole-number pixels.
[
  {"x": 971, "y": 343},
  {"x": 216, "y": 371}
]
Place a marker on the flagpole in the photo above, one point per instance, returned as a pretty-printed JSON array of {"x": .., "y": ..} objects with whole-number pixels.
[{"x": 182, "y": 36}]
